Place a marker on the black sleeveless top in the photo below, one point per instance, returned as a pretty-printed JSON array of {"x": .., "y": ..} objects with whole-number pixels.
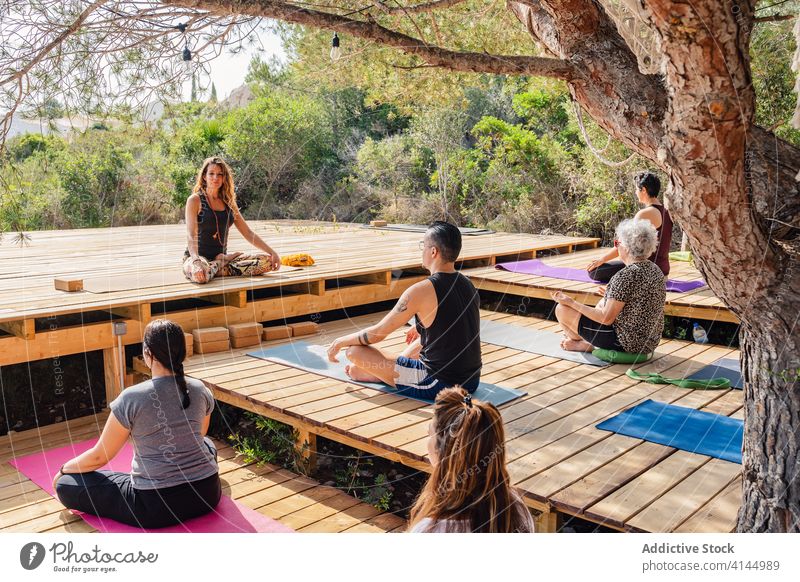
[
  {"x": 451, "y": 346},
  {"x": 212, "y": 229},
  {"x": 661, "y": 256}
]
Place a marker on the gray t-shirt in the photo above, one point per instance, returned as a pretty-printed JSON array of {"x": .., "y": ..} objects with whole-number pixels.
[{"x": 168, "y": 446}]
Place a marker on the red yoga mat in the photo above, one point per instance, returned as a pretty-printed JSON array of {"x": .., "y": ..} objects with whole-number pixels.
[{"x": 228, "y": 517}]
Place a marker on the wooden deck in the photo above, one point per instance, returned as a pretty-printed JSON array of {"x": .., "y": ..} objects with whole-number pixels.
[
  {"x": 557, "y": 459},
  {"x": 355, "y": 266},
  {"x": 698, "y": 304},
  {"x": 296, "y": 501}
]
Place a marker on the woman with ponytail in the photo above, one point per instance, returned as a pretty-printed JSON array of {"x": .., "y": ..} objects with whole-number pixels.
[
  {"x": 469, "y": 489},
  {"x": 174, "y": 474}
]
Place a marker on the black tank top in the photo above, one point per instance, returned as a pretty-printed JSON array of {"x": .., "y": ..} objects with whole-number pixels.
[
  {"x": 451, "y": 346},
  {"x": 661, "y": 256},
  {"x": 212, "y": 229}
]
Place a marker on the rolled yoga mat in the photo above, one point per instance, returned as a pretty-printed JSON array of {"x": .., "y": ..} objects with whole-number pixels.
[
  {"x": 313, "y": 358},
  {"x": 537, "y": 267},
  {"x": 536, "y": 341},
  {"x": 722, "y": 368},
  {"x": 228, "y": 517},
  {"x": 682, "y": 428},
  {"x": 465, "y": 231}
]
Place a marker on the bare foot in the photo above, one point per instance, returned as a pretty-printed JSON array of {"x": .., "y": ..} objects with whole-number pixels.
[
  {"x": 571, "y": 345},
  {"x": 199, "y": 276},
  {"x": 359, "y": 375}
]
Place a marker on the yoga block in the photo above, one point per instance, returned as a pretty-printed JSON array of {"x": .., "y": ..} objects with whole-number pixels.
[
  {"x": 211, "y": 347},
  {"x": 304, "y": 328},
  {"x": 68, "y": 284},
  {"x": 245, "y": 330},
  {"x": 210, "y": 334},
  {"x": 277, "y": 332},
  {"x": 189, "y": 344},
  {"x": 378, "y": 223},
  {"x": 245, "y": 341}
]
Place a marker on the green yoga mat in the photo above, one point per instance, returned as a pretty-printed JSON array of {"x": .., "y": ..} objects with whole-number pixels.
[
  {"x": 536, "y": 341},
  {"x": 313, "y": 358},
  {"x": 655, "y": 378}
]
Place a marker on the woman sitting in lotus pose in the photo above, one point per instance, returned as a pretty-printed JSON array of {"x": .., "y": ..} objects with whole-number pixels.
[
  {"x": 210, "y": 212},
  {"x": 630, "y": 317}
]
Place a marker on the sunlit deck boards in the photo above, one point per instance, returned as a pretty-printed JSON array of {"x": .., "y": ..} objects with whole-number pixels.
[
  {"x": 698, "y": 304},
  {"x": 557, "y": 459},
  {"x": 294, "y": 500}
]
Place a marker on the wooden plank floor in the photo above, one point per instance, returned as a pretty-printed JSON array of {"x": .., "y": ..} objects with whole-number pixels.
[
  {"x": 294, "y": 500},
  {"x": 557, "y": 459},
  {"x": 341, "y": 251},
  {"x": 698, "y": 304}
]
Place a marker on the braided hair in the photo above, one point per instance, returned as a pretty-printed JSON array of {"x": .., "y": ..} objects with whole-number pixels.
[{"x": 165, "y": 341}]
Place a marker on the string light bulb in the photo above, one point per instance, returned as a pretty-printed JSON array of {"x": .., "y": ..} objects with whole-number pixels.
[{"x": 336, "y": 51}]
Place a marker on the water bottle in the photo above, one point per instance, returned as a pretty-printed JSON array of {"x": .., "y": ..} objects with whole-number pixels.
[{"x": 699, "y": 334}]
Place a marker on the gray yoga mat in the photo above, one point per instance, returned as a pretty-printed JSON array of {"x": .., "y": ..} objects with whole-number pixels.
[
  {"x": 537, "y": 341},
  {"x": 722, "y": 368},
  {"x": 313, "y": 358}
]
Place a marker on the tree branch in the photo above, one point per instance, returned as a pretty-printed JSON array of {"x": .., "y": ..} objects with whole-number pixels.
[
  {"x": 774, "y": 18},
  {"x": 417, "y": 8},
  {"x": 454, "y": 60}
]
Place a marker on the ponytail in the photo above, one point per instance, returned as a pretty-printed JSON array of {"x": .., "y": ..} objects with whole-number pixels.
[
  {"x": 166, "y": 343},
  {"x": 180, "y": 380}
]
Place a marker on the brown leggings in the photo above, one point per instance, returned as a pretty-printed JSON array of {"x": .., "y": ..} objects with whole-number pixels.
[{"x": 242, "y": 266}]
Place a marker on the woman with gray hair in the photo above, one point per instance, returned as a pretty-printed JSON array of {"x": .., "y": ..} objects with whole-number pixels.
[{"x": 630, "y": 317}]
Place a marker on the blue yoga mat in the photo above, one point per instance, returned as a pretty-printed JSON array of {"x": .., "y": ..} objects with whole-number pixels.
[
  {"x": 722, "y": 368},
  {"x": 313, "y": 358},
  {"x": 535, "y": 341},
  {"x": 683, "y": 428}
]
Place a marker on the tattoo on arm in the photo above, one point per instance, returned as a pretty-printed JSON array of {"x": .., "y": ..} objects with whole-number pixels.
[
  {"x": 402, "y": 305},
  {"x": 363, "y": 339}
]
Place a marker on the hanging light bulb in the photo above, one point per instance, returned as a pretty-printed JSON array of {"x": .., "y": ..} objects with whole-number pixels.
[
  {"x": 187, "y": 58},
  {"x": 336, "y": 52}
]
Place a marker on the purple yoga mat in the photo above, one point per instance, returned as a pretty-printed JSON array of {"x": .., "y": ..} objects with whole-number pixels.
[
  {"x": 229, "y": 516},
  {"x": 537, "y": 267}
]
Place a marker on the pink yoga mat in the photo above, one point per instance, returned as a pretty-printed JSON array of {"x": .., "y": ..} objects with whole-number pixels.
[
  {"x": 229, "y": 516},
  {"x": 537, "y": 267}
]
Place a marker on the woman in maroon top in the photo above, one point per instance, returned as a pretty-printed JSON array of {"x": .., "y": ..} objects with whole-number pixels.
[{"x": 647, "y": 188}]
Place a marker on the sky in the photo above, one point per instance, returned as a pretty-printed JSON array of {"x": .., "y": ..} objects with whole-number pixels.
[{"x": 228, "y": 71}]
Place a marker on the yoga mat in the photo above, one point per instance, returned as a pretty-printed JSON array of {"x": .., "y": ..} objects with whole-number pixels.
[
  {"x": 148, "y": 279},
  {"x": 313, "y": 358},
  {"x": 722, "y": 368},
  {"x": 228, "y": 517},
  {"x": 536, "y": 341},
  {"x": 466, "y": 231},
  {"x": 683, "y": 428},
  {"x": 537, "y": 267}
]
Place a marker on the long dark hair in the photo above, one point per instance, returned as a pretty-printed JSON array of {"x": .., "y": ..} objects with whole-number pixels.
[
  {"x": 470, "y": 481},
  {"x": 166, "y": 343}
]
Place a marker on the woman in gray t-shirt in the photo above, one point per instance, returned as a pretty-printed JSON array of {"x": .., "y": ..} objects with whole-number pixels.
[{"x": 174, "y": 474}]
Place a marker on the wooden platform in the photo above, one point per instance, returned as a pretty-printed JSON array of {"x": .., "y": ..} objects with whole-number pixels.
[
  {"x": 698, "y": 304},
  {"x": 355, "y": 266},
  {"x": 296, "y": 501},
  {"x": 557, "y": 459}
]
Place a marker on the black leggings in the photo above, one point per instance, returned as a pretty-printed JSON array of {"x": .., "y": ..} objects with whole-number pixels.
[
  {"x": 111, "y": 494},
  {"x": 604, "y": 272}
]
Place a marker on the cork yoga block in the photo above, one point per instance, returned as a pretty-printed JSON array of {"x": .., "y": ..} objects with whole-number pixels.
[
  {"x": 68, "y": 284},
  {"x": 210, "y": 334},
  {"x": 304, "y": 328},
  {"x": 211, "y": 347},
  {"x": 378, "y": 223},
  {"x": 277, "y": 332},
  {"x": 245, "y": 330},
  {"x": 189, "y": 344},
  {"x": 245, "y": 341}
]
